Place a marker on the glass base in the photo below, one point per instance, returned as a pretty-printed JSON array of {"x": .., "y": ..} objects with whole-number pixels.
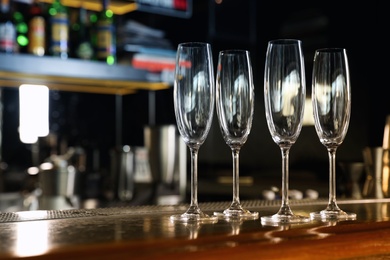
[
  {"x": 237, "y": 214},
  {"x": 198, "y": 217},
  {"x": 328, "y": 215},
  {"x": 282, "y": 219}
]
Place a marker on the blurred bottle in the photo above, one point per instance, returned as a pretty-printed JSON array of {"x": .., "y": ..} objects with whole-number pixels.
[
  {"x": 106, "y": 38},
  {"x": 81, "y": 43},
  {"x": 59, "y": 29},
  {"x": 36, "y": 30},
  {"x": 21, "y": 29},
  {"x": 93, "y": 18},
  {"x": 7, "y": 28}
]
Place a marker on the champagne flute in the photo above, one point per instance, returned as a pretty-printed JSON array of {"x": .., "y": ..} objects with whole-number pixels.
[
  {"x": 194, "y": 94},
  {"x": 284, "y": 96},
  {"x": 331, "y": 99},
  {"x": 235, "y": 106}
]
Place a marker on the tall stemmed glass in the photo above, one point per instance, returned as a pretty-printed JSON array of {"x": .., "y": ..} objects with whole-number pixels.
[
  {"x": 331, "y": 99},
  {"x": 284, "y": 96},
  {"x": 235, "y": 106},
  {"x": 194, "y": 97}
]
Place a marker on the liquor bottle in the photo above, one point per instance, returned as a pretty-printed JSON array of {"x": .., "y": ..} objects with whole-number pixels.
[
  {"x": 106, "y": 38},
  {"x": 59, "y": 29},
  {"x": 7, "y": 28},
  {"x": 36, "y": 30},
  {"x": 21, "y": 30},
  {"x": 93, "y": 18},
  {"x": 82, "y": 46}
]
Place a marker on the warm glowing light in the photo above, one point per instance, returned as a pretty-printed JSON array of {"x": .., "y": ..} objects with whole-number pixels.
[
  {"x": 31, "y": 237},
  {"x": 33, "y": 170},
  {"x": 308, "y": 118},
  {"x": 46, "y": 166},
  {"x": 33, "y": 112},
  {"x": 386, "y": 134}
]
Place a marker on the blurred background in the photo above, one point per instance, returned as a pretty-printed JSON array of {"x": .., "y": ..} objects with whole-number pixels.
[{"x": 102, "y": 131}]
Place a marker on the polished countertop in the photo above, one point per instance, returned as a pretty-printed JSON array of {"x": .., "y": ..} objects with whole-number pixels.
[{"x": 146, "y": 232}]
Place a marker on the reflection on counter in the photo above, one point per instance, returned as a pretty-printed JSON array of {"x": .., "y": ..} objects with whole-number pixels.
[{"x": 146, "y": 232}]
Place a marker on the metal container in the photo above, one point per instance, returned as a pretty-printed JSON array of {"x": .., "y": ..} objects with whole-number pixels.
[
  {"x": 373, "y": 160},
  {"x": 122, "y": 172},
  {"x": 168, "y": 162},
  {"x": 59, "y": 183}
]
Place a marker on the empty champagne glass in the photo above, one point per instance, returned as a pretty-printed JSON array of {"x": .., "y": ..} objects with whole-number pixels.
[
  {"x": 284, "y": 96},
  {"x": 235, "y": 106},
  {"x": 194, "y": 97},
  {"x": 331, "y": 99}
]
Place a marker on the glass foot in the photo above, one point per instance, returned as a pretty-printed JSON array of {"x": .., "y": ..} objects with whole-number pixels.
[
  {"x": 237, "y": 214},
  {"x": 198, "y": 217},
  {"x": 277, "y": 219},
  {"x": 328, "y": 214}
]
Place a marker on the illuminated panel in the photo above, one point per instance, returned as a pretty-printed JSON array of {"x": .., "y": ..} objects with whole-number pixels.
[
  {"x": 33, "y": 112},
  {"x": 178, "y": 8}
]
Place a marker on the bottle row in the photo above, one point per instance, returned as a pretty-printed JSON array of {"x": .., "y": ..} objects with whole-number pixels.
[{"x": 55, "y": 30}]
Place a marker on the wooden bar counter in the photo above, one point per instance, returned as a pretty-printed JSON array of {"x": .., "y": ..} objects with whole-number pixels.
[{"x": 145, "y": 232}]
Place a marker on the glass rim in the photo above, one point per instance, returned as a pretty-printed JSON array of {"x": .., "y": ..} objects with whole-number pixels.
[
  {"x": 331, "y": 50},
  {"x": 284, "y": 41},
  {"x": 234, "y": 51},
  {"x": 194, "y": 44}
]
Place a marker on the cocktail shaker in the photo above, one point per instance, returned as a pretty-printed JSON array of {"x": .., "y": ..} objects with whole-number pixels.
[{"x": 372, "y": 187}]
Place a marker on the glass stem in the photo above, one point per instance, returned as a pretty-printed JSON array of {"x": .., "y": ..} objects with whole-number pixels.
[
  {"x": 332, "y": 205},
  {"x": 285, "y": 208},
  {"x": 194, "y": 177},
  {"x": 236, "y": 176}
]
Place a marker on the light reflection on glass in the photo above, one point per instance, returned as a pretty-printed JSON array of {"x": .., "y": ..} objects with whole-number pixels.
[
  {"x": 290, "y": 87},
  {"x": 236, "y": 227},
  {"x": 323, "y": 97},
  {"x": 199, "y": 82},
  {"x": 240, "y": 85},
  {"x": 193, "y": 229},
  {"x": 325, "y": 93}
]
